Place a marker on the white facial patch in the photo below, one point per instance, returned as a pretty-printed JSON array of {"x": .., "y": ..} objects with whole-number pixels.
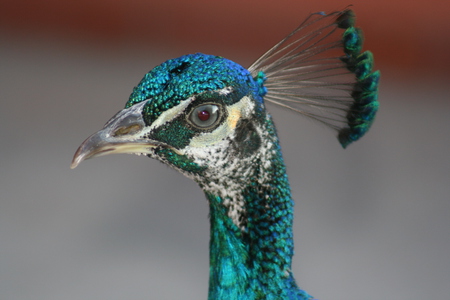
[
  {"x": 171, "y": 113},
  {"x": 212, "y": 149}
]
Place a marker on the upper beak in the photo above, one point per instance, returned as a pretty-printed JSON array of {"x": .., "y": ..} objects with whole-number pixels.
[{"x": 124, "y": 133}]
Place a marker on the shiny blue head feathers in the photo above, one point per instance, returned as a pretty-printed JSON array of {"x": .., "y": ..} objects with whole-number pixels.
[{"x": 178, "y": 79}]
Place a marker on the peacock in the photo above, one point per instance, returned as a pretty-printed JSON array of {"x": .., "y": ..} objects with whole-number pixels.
[{"x": 206, "y": 117}]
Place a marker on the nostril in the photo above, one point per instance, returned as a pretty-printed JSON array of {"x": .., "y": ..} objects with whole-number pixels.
[{"x": 127, "y": 130}]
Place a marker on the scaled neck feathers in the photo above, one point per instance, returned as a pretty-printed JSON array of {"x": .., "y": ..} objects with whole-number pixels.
[{"x": 251, "y": 214}]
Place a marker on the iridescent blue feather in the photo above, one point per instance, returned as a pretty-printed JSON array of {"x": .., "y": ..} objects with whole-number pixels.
[{"x": 318, "y": 70}]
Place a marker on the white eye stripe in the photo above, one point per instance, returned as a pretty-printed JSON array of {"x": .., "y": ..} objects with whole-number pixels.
[
  {"x": 171, "y": 113},
  {"x": 225, "y": 91},
  {"x": 175, "y": 111}
]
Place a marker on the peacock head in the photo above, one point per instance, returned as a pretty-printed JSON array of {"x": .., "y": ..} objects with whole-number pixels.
[
  {"x": 191, "y": 113},
  {"x": 204, "y": 114}
]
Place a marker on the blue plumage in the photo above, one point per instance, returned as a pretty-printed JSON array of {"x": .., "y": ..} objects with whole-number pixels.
[
  {"x": 206, "y": 117},
  {"x": 179, "y": 78}
]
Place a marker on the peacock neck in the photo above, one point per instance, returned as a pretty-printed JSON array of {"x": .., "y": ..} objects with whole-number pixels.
[{"x": 251, "y": 243}]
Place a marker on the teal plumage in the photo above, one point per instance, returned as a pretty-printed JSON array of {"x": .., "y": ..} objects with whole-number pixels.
[{"x": 206, "y": 117}]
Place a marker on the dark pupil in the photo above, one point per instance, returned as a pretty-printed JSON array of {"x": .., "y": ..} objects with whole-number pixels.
[{"x": 203, "y": 115}]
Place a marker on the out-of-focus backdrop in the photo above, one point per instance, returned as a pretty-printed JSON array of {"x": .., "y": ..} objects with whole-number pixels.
[{"x": 372, "y": 221}]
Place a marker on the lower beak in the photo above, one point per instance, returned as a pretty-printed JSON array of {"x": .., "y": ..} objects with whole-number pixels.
[{"x": 98, "y": 145}]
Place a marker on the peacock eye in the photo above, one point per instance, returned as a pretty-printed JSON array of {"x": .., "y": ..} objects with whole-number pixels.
[{"x": 205, "y": 116}]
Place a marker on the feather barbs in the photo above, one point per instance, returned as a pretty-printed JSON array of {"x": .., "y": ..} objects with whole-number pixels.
[{"x": 318, "y": 70}]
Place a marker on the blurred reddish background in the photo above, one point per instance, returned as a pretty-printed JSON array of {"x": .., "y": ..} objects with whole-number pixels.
[
  {"x": 370, "y": 220},
  {"x": 411, "y": 37}
]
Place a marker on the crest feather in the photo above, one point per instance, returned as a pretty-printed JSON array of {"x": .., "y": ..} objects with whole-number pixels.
[{"x": 318, "y": 70}]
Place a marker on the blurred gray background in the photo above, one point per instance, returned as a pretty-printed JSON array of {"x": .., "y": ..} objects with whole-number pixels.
[{"x": 371, "y": 222}]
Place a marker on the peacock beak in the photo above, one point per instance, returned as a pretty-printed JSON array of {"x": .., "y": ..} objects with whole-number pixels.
[{"x": 123, "y": 133}]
